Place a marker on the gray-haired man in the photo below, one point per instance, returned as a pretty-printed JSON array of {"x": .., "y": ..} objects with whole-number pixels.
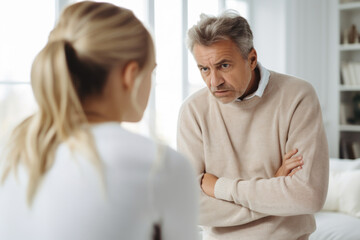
[{"x": 236, "y": 134}]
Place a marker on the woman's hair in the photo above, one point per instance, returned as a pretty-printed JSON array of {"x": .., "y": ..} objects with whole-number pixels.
[
  {"x": 228, "y": 26},
  {"x": 89, "y": 40}
]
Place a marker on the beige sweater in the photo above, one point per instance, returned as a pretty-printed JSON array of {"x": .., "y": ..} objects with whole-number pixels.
[{"x": 243, "y": 143}]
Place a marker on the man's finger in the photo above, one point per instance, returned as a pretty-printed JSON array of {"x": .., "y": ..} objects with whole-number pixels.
[
  {"x": 290, "y": 154},
  {"x": 295, "y": 170},
  {"x": 294, "y": 164}
]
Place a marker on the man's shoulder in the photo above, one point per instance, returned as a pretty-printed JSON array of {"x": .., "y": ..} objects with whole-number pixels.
[
  {"x": 198, "y": 96},
  {"x": 196, "y": 105},
  {"x": 290, "y": 84},
  {"x": 198, "y": 99}
]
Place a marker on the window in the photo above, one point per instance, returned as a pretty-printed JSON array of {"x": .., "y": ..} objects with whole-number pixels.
[
  {"x": 176, "y": 75},
  {"x": 23, "y": 34}
]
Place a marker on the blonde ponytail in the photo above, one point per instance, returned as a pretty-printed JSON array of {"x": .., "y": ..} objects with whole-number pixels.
[
  {"x": 60, "y": 114},
  {"x": 89, "y": 40}
]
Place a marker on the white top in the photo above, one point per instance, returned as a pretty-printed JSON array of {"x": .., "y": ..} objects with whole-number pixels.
[{"x": 71, "y": 204}]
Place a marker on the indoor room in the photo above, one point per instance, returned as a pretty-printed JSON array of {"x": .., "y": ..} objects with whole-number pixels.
[{"x": 308, "y": 44}]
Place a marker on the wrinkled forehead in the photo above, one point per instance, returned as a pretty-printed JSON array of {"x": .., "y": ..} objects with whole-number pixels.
[{"x": 216, "y": 52}]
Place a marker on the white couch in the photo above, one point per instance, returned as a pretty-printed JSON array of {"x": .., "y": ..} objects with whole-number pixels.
[{"x": 340, "y": 217}]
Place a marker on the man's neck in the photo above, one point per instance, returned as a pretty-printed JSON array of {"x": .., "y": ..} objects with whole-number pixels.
[{"x": 254, "y": 84}]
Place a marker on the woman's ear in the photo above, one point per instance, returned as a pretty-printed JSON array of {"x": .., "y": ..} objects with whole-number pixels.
[{"x": 129, "y": 74}]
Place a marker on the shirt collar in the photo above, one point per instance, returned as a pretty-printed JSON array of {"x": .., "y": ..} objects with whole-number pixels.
[{"x": 264, "y": 79}]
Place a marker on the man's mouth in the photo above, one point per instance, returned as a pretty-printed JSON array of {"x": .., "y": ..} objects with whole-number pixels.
[{"x": 220, "y": 93}]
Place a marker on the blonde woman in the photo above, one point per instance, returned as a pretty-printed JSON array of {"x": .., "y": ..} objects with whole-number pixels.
[{"x": 71, "y": 171}]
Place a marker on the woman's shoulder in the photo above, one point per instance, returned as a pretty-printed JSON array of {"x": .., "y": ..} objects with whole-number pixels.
[
  {"x": 115, "y": 130},
  {"x": 175, "y": 161},
  {"x": 115, "y": 139}
]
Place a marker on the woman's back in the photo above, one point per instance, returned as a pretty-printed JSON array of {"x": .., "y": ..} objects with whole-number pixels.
[
  {"x": 72, "y": 203},
  {"x": 95, "y": 70}
]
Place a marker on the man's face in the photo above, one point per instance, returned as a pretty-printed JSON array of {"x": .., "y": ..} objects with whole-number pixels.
[{"x": 226, "y": 73}]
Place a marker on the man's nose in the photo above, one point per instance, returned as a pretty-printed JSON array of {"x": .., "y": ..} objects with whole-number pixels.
[{"x": 216, "y": 79}]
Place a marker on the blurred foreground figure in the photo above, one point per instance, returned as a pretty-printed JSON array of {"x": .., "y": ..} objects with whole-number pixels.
[{"x": 70, "y": 170}]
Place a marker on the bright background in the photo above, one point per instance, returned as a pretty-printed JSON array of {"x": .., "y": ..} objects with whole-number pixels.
[
  {"x": 291, "y": 36},
  {"x": 24, "y": 33}
]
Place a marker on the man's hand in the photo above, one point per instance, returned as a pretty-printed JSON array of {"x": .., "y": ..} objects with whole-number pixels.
[
  {"x": 290, "y": 165},
  {"x": 208, "y": 184}
]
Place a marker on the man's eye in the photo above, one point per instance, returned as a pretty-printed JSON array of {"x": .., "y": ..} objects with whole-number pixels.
[
  {"x": 204, "y": 69},
  {"x": 225, "y": 65}
]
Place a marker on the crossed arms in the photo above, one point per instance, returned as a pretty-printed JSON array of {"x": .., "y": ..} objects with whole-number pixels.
[{"x": 286, "y": 194}]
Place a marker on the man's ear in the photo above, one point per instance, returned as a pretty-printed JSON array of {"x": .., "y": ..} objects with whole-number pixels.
[
  {"x": 252, "y": 58},
  {"x": 129, "y": 74}
]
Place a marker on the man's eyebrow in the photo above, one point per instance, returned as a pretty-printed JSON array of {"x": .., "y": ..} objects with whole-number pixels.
[
  {"x": 222, "y": 62},
  {"x": 218, "y": 63}
]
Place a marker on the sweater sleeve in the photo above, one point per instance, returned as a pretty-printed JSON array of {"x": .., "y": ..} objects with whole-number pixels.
[
  {"x": 213, "y": 212},
  {"x": 303, "y": 193}
]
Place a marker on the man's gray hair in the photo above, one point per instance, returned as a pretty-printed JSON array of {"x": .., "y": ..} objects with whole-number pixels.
[{"x": 228, "y": 26}]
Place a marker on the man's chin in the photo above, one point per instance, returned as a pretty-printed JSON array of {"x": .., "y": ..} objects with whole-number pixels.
[{"x": 225, "y": 97}]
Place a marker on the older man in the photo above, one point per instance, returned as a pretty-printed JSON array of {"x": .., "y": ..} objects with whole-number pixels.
[{"x": 236, "y": 132}]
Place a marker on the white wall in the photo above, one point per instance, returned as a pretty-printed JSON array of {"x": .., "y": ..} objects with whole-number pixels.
[{"x": 268, "y": 25}]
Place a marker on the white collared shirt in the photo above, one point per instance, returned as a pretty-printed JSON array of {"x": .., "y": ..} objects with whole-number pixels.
[{"x": 264, "y": 79}]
